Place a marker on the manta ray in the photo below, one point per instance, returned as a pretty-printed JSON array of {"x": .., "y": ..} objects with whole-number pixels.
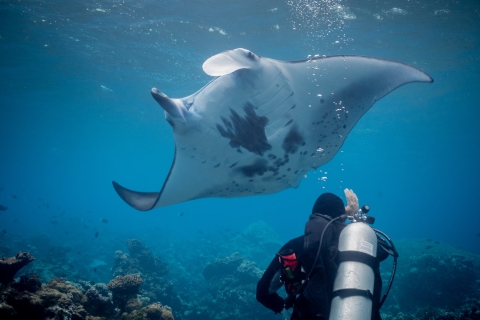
[{"x": 261, "y": 124}]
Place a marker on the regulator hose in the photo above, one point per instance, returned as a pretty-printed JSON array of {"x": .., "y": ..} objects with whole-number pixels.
[{"x": 393, "y": 252}]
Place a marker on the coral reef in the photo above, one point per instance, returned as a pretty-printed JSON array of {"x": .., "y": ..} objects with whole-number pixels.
[
  {"x": 61, "y": 299},
  {"x": 232, "y": 283},
  {"x": 469, "y": 311},
  {"x": 126, "y": 285},
  {"x": 54, "y": 262},
  {"x": 29, "y": 282},
  {"x": 154, "y": 311},
  {"x": 139, "y": 260},
  {"x": 437, "y": 281},
  {"x": 432, "y": 276},
  {"x": 124, "y": 288},
  {"x": 58, "y": 299},
  {"x": 145, "y": 258},
  {"x": 10, "y": 266},
  {"x": 434, "y": 281},
  {"x": 151, "y": 269},
  {"x": 98, "y": 300}
]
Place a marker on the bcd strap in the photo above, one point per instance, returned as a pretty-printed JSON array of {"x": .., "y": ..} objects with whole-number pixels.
[
  {"x": 344, "y": 293},
  {"x": 358, "y": 256}
]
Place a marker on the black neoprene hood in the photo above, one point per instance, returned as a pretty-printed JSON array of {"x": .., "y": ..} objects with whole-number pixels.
[{"x": 329, "y": 204}]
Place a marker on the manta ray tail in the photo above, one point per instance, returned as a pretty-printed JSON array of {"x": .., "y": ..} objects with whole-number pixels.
[{"x": 143, "y": 201}]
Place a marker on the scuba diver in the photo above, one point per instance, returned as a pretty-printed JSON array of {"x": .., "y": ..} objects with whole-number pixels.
[{"x": 316, "y": 267}]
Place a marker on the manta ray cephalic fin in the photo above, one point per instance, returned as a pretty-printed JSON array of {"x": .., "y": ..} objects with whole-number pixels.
[
  {"x": 229, "y": 61},
  {"x": 174, "y": 107}
]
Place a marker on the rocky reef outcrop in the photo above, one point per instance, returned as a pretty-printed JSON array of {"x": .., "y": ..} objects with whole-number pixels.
[
  {"x": 124, "y": 288},
  {"x": 10, "y": 266},
  {"x": 433, "y": 280},
  {"x": 155, "y": 311},
  {"x": 28, "y": 298},
  {"x": 59, "y": 299},
  {"x": 62, "y": 299},
  {"x": 231, "y": 282},
  {"x": 98, "y": 300},
  {"x": 141, "y": 261}
]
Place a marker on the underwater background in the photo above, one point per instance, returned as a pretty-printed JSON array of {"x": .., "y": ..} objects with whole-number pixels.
[{"x": 76, "y": 113}]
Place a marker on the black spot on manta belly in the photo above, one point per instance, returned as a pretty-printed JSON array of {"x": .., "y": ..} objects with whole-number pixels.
[
  {"x": 247, "y": 132},
  {"x": 259, "y": 167}
]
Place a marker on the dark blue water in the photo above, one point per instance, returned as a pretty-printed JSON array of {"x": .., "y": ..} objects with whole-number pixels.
[{"x": 76, "y": 113}]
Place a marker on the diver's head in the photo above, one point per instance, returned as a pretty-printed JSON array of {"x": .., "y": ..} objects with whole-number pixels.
[{"x": 329, "y": 204}]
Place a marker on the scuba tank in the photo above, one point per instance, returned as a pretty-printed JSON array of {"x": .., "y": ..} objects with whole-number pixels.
[
  {"x": 355, "y": 278},
  {"x": 353, "y": 286}
]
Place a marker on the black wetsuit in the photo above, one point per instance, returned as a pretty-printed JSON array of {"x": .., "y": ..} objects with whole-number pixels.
[{"x": 314, "y": 302}]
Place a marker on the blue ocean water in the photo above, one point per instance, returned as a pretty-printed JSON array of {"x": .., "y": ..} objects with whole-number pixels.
[{"x": 76, "y": 113}]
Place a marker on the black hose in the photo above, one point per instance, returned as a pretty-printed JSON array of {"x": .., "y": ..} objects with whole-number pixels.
[
  {"x": 307, "y": 278},
  {"x": 394, "y": 253},
  {"x": 320, "y": 245}
]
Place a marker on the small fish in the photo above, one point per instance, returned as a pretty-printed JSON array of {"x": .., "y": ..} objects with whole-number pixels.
[
  {"x": 96, "y": 234},
  {"x": 95, "y": 270},
  {"x": 1, "y": 189},
  {"x": 437, "y": 242},
  {"x": 180, "y": 214},
  {"x": 54, "y": 222},
  {"x": 200, "y": 231},
  {"x": 4, "y": 231},
  {"x": 429, "y": 239},
  {"x": 478, "y": 234},
  {"x": 3, "y": 208},
  {"x": 66, "y": 232},
  {"x": 16, "y": 220},
  {"x": 14, "y": 196},
  {"x": 104, "y": 220},
  {"x": 428, "y": 247}
]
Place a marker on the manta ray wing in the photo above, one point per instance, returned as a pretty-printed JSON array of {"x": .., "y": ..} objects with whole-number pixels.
[{"x": 263, "y": 123}]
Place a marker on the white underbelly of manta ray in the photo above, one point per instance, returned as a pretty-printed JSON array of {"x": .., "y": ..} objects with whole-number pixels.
[{"x": 261, "y": 124}]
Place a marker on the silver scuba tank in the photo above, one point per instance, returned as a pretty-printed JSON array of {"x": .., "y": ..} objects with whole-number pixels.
[{"x": 354, "y": 282}]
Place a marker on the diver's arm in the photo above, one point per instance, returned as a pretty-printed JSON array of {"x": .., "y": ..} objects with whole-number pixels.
[{"x": 270, "y": 300}]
